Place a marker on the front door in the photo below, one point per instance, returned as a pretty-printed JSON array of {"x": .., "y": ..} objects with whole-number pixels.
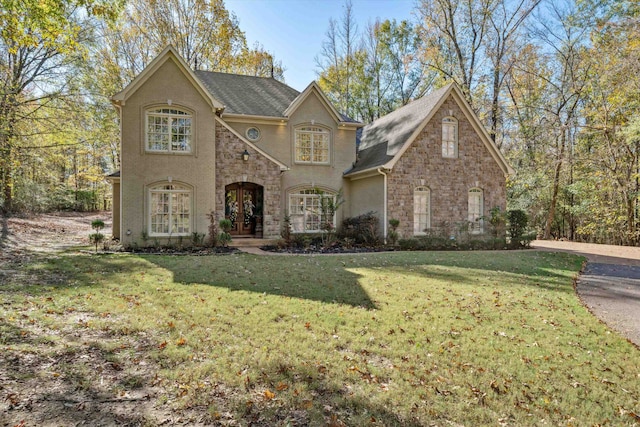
[{"x": 241, "y": 207}]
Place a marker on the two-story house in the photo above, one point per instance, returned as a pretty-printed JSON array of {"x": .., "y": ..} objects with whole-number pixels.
[{"x": 253, "y": 150}]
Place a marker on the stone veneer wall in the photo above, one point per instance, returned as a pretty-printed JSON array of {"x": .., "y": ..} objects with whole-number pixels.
[
  {"x": 258, "y": 169},
  {"x": 448, "y": 179}
]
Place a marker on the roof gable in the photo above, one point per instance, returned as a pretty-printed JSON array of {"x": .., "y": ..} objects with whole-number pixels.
[
  {"x": 313, "y": 88},
  {"x": 168, "y": 54},
  {"x": 384, "y": 141}
]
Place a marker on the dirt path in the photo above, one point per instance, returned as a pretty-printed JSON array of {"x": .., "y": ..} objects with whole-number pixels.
[
  {"x": 610, "y": 283},
  {"x": 21, "y": 236}
]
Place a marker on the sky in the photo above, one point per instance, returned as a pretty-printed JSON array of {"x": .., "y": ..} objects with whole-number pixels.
[{"x": 293, "y": 30}]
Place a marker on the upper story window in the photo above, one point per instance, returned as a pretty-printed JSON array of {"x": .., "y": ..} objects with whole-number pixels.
[
  {"x": 312, "y": 145},
  {"x": 449, "y": 137},
  {"x": 169, "y": 130}
]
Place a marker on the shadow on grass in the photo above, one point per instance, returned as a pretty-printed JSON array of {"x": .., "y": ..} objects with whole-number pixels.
[
  {"x": 333, "y": 279},
  {"x": 294, "y": 277}
]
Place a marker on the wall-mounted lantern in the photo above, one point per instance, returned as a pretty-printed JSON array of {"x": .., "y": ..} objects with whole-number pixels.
[{"x": 245, "y": 155}]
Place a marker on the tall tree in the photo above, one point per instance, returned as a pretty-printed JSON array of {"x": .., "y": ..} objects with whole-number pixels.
[
  {"x": 336, "y": 60},
  {"x": 38, "y": 38},
  {"x": 453, "y": 33},
  {"x": 501, "y": 43}
]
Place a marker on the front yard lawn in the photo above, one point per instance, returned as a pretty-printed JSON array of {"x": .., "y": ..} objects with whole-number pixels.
[{"x": 411, "y": 338}]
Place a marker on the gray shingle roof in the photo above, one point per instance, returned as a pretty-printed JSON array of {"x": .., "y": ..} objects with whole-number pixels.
[
  {"x": 382, "y": 139},
  {"x": 249, "y": 95}
]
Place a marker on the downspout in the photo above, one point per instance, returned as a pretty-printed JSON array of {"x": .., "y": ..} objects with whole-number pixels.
[{"x": 384, "y": 211}]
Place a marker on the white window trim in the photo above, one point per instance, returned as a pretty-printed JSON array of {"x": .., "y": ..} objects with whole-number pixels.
[
  {"x": 450, "y": 121},
  {"x": 153, "y": 112},
  {"x": 158, "y": 189},
  {"x": 307, "y": 193},
  {"x": 476, "y": 224},
  {"x": 322, "y": 131},
  {"x": 416, "y": 191}
]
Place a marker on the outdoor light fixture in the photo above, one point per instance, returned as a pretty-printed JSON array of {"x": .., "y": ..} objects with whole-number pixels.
[{"x": 245, "y": 155}]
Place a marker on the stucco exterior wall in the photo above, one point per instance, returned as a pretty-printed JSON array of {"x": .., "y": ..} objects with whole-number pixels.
[
  {"x": 115, "y": 208},
  {"x": 231, "y": 168},
  {"x": 449, "y": 179},
  {"x": 342, "y": 154},
  {"x": 141, "y": 169},
  {"x": 367, "y": 195}
]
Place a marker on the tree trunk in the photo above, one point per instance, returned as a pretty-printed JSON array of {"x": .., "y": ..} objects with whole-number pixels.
[{"x": 556, "y": 186}]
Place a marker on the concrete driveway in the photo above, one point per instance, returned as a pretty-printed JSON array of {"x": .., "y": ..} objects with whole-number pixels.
[{"x": 610, "y": 283}]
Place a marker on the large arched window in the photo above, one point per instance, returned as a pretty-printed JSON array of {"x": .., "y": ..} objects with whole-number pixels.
[
  {"x": 312, "y": 144},
  {"x": 310, "y": 210},
  {"x": 168, "y": 130},
  {"x": 449, "y": 137},
  {"x": 421, "y": 210},
  {"x": 170, "y": 210},
  {"x": 476, "y": 206}
]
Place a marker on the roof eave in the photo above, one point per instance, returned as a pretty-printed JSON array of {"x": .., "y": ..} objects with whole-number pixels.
[
  {"x": 369, "y": 172},
  {"x": 248, "y": 118}
]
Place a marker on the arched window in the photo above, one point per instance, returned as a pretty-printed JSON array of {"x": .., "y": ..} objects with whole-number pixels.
[
  {"x": 312, "y": 145},
  {"x": 310, "y": 210},
  {"x": 168, "y": 130},
  {"x": 476, "y": 206},
  {"x": 449, "y": 137},
  {"x": 170, "y": 210},
  {"x": 421, "y": 210}
]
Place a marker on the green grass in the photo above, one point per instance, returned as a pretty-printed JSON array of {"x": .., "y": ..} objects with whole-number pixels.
[{"x": 415, "y": 338}]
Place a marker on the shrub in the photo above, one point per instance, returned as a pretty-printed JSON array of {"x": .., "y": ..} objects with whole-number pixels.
[
  {"x": 392, "y": 234},
  {"x": 517, "y": 222},
  {"x": 286, "y": 230},
  {"x": 224, "y": 238},
  {"x": 197, "y": 239},
  {"x": 97, "y": 237},
  {"x": 363, "y": 229},
  {"x": 497, "y": 222}
]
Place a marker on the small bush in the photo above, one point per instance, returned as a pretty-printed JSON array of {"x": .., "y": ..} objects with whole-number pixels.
[
  {"x": 392, "y": 234},
  {"x": 97, "y": 237},
  {"x": 517, "y": 224},
  {"x": 363, "y": 229},
  {"x": 224, "y": 238}
]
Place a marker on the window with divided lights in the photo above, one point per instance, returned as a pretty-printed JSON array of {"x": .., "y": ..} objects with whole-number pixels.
[
  {"x": 305, "y": 211},
  {"x": 169, "y": 210},
  {"x": 449, "y": 137},
  {"x": 476, "y": 202},
  {"x": 169, "y": 130},
  {"x": 421, "y": 210},
  {"x": 312, "y": 145}
]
